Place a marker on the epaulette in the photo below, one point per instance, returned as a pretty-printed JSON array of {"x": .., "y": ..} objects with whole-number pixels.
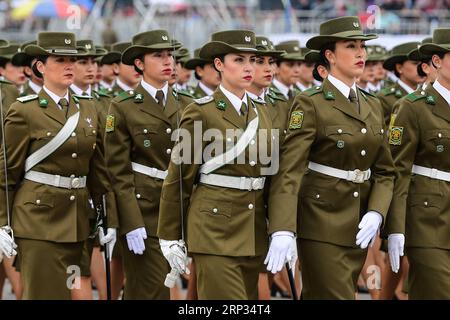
[
  {"x": 364, "y": 92},
  {"x": 101, "y": 93},
  {"x": 27, "y": 98},
  {"x": 176, "y": 92},
  {"x": 82, "y": 97},
  {"x": 312, "y": 91},
  {"x": 416, "y": 95},
  {"x": 125, "y": 95},
  {"x": 275, "y": 96},
  {"x": 204, "y": 100},
  {"x": 274, "y": 90},
  {"x": 392, "y": 90},
  {"x": 258, "y": 101},
  {"x": 5, "y": 81}
]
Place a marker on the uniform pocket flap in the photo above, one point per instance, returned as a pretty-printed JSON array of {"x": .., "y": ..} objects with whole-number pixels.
[
  {"x": 377, "y": 129},
  {"x": 437, "y": 134},
  {"x": 214, "y": 208},
  {"x": 338, "y": 130},
  {"x": 39, "y": 199},
  {"x": 90, "y": 132},
  {"x": 424, "y": 200},
  {"x": 146, "y": 129}
]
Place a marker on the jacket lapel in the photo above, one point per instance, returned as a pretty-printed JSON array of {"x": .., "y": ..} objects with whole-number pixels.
[
  {"x": 364, "y": 106},
  {"x": 251, "y": 110},
  {"x": 441, "y": 107},
  {"x": 150, "y": 106},
  {"x": 172, "y": 104},
  {"x": 230, "y": 114},
  {"x": 340, "y": 102},
  {"x": 52, "y": 110}
]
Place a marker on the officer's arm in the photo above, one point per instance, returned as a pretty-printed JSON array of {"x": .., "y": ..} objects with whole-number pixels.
[
  {"x": 99, "y": 180},
  {"x": 117, "y": 156},
  {"x": 17, "y": 139},
  {"x": 169, "y": 223},
  {"x": 403, "y": 140},
  {"x": 383, "y": 175},
  {"x": 285, "y": 185}
]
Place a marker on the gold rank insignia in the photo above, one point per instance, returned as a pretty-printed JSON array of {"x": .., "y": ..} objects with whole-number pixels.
[
  {"x": 296, "y": 120},
  {"x": 395, "y": 136},
  {"x": 110, "y": 123}
]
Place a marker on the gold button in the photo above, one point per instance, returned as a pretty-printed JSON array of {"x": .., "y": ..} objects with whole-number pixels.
[
  {"x": 422, "y": 93},
  {"x": 439, "y": 135},
  {"x": 169, "y": 151},
  {"x": 425, "y": 203},
  {"x": 250, "y": 206},
  {"x": 382, "y": 130},
  {"x": 72, "y": 198},
  {"x": 145, "y": 130},
  {"x": 94, "y": 132},
  {"x": 138, "y": 196},
  {"x": 317, "y": 196},
  {"x": 215, "y": 210},
  {"x": 168, "y": 130},
  {"x": 355, "y": 194},
  {"x": 49, "y": 134},
  {"x": 38, "y": 201},
  {"x": 363, "y": 130},
  {"x": 73, "y": 134},
  {"x": 339, "y": 130},
  {"x": 363, "y": 153},
  {"x": 74, "y": 155},
  {"x": 285, "y": 131}
]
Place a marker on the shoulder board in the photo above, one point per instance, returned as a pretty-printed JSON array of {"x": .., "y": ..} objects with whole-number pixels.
[
  {"x": 275, "y": 96},
  {"x": 312, "y": 91},
  {"x": 388, "y": 91},
  {"x": 367, "y": 93},
  {"x": 102, "y": 93},
  {"x": 5, "y": 81},
  {"x": 125, "y": 95},
  {"x": 275, "y": 90},
  {"x": 258, "y": 101},
  {"x": 27, "y": 98},
  {"x": 181, "y": 93},
  {"x": 204, "y": 100},
  {"x": 416, "y": 95},
  {"x": 82, "y": 97}
]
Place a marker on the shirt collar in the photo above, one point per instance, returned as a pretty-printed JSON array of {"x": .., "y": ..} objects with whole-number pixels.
[
  {"x": 235, "y": 100},
  {"x": 301, "y": 86},
  {"x": 103, "y": 84},
  {"x": 443, "y": 91},
  {"x": 181, "y": 86},
  {"x": 55, "y": 97},
  {"x": 342, "y": 87},
  {"x": 79, "y": 92},
  {"x": 255, "y": 97},
  {"x": 123, "y": 86},
  {"x": 152, "y": 90},
  {"x": 405, "y": 87},
  {"x": 281, "y": 87},
  {"x": 392, "y": 76},
  {"x": 205, "y": 89},
  {"x": 36, "y": 88}
]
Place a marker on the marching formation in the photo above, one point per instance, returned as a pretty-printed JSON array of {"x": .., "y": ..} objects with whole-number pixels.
[{"x": 311, "y": 170}]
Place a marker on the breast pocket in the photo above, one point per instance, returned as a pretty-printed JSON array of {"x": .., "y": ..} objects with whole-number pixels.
[
  {"x": 438, "y": 140},
  {"x": 339, "y": 135},
  {"x": 38, "y": 201},
  {"x": 145, "y": 135},
  {"x": 377, "y": 130}
]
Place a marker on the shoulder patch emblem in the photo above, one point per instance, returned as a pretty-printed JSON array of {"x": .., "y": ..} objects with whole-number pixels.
[
  {"x": 296, "y": 121},
  {"x": 28, "y": 98},
  {"x": 204, "y": 100},
  {"x": 314, "y": 90},
  {"x": 110, "y": 123},
  {"x": 395, "y": 136},
  {"x": 138, "y": 98},
  {"x": 431, "y": 100}
]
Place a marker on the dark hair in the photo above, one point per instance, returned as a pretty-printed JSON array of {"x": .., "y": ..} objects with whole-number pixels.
[
  {"x": 141, "y": 57},
  {"x": 4, "y": 62},
  {"x": 36, "y": 72},
  {"x": 440, "y": 55},
  {"x": 316, "y": 74},
  {"x": 323, "y": 59},
  {"x": 420, "y": 71}
]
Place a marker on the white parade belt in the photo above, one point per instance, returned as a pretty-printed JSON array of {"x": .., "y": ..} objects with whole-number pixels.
[
  {"x": 355, "y": 176},
  {"x": 431, "y": 173},
  {"x": 56, "y": 180},
  {"x": 149, "y": 171},
  {"x": 241, "y": 183}
]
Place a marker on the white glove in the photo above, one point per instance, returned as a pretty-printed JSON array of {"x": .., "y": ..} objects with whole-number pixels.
[
  {"x": 135, "y": 240},
  {"x": 7, "y": 244},
  {"x": 110, "y": 239},
  {"x": 280, "y": 251},
  {"x": 396, "y": 244},
  {"x": 175, "y": 253},
  {"x": 369, "y": 226}
]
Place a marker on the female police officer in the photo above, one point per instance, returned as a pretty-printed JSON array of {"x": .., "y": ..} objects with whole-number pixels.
[
  {"x": 335, "y": 131},
  {"x": 420, "y": 212},
  {"x": 54, "y": 169},
  {"x": 138, "y": 146}
]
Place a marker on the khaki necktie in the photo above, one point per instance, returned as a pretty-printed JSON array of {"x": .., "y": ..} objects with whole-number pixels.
[
  {"x": 291, "y": 94},
  {"x": 64, "y": 105},
  {"x": 160, "y": 97},
  {"x": 353, "y": 99},
  {"x": 244, "y": 111}
]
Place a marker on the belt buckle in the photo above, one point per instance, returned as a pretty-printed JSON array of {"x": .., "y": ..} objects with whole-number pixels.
[
  {"x": 359, "y": 176},
  {"x": 75, "y": 183},
  {"x": 256, "y": 183}
]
